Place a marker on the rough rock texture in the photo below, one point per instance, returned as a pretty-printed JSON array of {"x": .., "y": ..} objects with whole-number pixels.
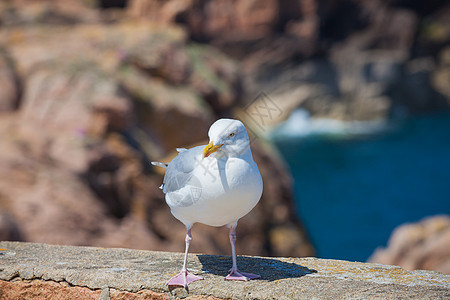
[
  {"x": 353, "y": 60},
  {"x": 40, "y": 289},
  {"x": 220, "y": 20},
  {"x": 25, "y": 12},
  {"x": 376, "y": 64},
  {"x": 84, "y": 117},
  {"x": 10, "y": 91},
  {"x": 423, "y": 245},
  {"x": 441, "y": 76},
  {"x": 101, "y": 273}
]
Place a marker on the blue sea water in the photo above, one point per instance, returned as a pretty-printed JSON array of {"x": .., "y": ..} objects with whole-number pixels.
[{"x": 353, "y": 190}]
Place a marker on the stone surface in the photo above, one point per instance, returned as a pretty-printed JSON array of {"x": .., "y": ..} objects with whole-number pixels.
[
  {"x": 421, "y": 245},
  {"x": 90, "y": 272}
]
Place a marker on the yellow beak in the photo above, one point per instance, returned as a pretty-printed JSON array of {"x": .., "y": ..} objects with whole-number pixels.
[{"x": 210, "y": 148}]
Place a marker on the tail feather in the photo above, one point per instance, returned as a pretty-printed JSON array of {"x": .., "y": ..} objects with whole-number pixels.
[{"x": 160, "y": 164}]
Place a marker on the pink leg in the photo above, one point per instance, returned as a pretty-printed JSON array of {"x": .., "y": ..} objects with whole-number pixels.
[
  {"x": 235, "y": 274},
  {"x": 184, "y": 277}
]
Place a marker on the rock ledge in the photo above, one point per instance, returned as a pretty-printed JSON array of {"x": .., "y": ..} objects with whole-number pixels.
[{"x": 39, "y": 270}]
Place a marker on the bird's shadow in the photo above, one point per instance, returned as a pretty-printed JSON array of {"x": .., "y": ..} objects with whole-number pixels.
[{"x": 269, "y": 269}]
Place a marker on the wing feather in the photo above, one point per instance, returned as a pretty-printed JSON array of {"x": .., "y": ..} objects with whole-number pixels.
[{"x": 180, "y": 186}]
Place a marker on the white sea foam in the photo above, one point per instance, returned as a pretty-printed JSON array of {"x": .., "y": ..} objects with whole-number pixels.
[{"x": 301, "y": 124}]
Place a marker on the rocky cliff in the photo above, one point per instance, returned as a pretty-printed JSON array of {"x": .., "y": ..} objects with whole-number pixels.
[
  {"x": 87, "y": 101},
  {"x": 350, "y": 60},
  {"x": 422, "y": 245},
  {"x": 91, "y": 91}
]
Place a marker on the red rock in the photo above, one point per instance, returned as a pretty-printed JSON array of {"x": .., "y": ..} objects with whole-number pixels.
[
  {"x": 217, "y": 20},
  {"x": 9, "y": 82},
  {"x": 20, "y": 12},
  {"x": 9, "y": 230},
  {"x": 423, "y": 245},
  {"x": 95, "y": 110},
  {"x": 39, "y": 289}
]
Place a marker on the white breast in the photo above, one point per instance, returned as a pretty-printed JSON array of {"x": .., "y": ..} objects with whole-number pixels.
[{"x": 220, "y": 192}]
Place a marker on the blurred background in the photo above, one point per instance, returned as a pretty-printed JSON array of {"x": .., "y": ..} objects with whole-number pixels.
[{"x": 346, "y": 102}]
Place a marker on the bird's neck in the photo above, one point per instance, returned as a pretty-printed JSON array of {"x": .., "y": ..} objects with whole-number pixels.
[{"x": 246, "y": 154}]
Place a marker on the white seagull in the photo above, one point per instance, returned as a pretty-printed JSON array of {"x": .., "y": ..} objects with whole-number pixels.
[{"x": 215, "y": 184}]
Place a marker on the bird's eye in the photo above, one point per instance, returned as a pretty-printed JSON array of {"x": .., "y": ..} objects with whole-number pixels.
[{"x": 231, "y": 134}]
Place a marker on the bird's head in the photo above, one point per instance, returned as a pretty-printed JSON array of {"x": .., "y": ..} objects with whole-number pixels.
[{"x": 227, "y": 137}]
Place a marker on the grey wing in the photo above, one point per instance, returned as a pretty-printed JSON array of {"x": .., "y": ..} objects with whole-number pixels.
[
  {"x": 160, "y": 164},
  {"x": 182, "y": 189}
]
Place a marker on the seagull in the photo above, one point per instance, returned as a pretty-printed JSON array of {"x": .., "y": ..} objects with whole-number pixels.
[{"x": 214, "y": 184}]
